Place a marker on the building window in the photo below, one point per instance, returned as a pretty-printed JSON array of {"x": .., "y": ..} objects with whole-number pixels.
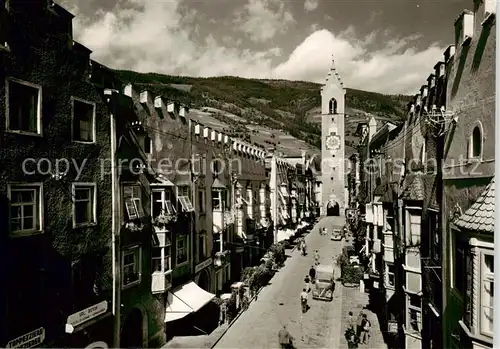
[
  {"x": 84, "y": 204},
  {"x": 184, "y": 198},
  {"x": 487, "y": 285},
  {"x": 459, "y": 266},
  {"x": 216, "y": 167},
  {"x": 148, "y": 145},
  {"x": 132, "y": 197},
  {"x": 131, "y": 266},
  {"x": 26, "y": 209},
  {"x": 227, "y": 272},
  {"x": 390, "y": 275},
  {"x": 218, "y": 199},
  {"x": 181, "y": 250},
  {"x": 435, "y": 237},
  {"x": 476, "y": 143},
  {"x": 333, "y": 106},
  {"x": 202, "y": 246},
  {"x": 414, "y": 313},
  {"x": 84, "y": 282},
  {"x": 24, "y": 107},
  {"x": 201, "y": 201},
  {"x": 161, "y": 202},
  {"x": 161, "y": 259},
  {"x": 413, "y": 227},
  {"x": 83, "y": 121}
]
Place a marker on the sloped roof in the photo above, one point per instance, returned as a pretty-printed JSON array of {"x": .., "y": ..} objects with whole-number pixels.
[
  {"x": 380, "y": 190},
  {"x": 390, "y": 194},
  {"x": 413, "y": 187},
  {"x": 480, "y": 216}
]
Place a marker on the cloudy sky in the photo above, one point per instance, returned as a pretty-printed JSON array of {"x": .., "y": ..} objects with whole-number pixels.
[{"x": 387, "y": 46}]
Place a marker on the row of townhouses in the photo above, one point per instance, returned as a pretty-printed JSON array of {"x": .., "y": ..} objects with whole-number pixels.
[
  {"x": 122, "y": 213},
  {"x": 425, "y": 192}
]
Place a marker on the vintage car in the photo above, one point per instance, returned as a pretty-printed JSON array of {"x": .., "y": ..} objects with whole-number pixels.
[
  {"x": 324, "y": 285},
  {"x": 336, "y": 235}
]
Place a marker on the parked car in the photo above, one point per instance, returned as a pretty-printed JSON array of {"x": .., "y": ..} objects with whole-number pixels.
[
  {"x": 324, "y": 285},
  {"x": 354, "y": 260},
  {"x": 336, "y": 235}
]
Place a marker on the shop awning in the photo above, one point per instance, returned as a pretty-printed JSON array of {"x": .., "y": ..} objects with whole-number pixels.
[
  {"x": 285, "y": 234},
  {"x": 184, "y": 300}
]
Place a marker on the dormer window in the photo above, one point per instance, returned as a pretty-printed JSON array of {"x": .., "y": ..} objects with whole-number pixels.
[{"x": 476, "y": 142}]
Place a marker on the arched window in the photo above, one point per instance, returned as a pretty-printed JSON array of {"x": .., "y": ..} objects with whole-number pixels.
[
  {"x": 333, "y": 106},
  {"x": 476, "y": 143}
]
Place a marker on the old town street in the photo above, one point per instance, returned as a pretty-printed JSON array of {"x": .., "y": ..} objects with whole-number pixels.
[{"x": 279, "y": 303}]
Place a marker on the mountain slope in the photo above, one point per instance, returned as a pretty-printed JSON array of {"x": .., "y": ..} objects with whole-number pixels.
[{"x": 287, "y": 111}]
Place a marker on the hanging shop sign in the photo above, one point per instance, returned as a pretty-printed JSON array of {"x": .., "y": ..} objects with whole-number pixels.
[
  {"x": 203, "y": 265},
  {"x": 85, "y": 315},
  {"x": 29, "y": 340}
]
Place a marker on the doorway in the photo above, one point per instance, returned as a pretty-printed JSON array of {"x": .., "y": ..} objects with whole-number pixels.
[
  {"x": 131, "y": 334},
  {"x": 333, "y": 209},
  {"x": 204, "y": 280}
]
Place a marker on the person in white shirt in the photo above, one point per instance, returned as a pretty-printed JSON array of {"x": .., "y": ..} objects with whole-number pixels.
[{"x": 303, "y": 300}]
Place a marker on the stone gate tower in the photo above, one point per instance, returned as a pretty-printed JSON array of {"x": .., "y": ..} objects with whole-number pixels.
[{"x": 333, "y": 198}]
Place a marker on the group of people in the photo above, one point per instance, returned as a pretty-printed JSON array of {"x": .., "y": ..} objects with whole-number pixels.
[{"x": 358, "y": 330}]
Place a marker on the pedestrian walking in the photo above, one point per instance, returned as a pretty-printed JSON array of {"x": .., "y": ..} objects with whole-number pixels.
[
  {"x": 359, "y": 324},
  {"x": 285, "y": 338},
  {"x": 303, "y": 300},
  {"x": 307, "y": 283},
  {"x": 316, "y": 257},
  {"x": 365, "y": 329},
  {"x": 312, "y": 274},
  {"x": 304, "y": 247},
  {"x": 351, "y": 328},
  {"x": 222, "y": 313}
]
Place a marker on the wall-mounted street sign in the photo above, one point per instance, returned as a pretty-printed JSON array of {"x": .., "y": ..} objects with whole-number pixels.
[
  {"x": 85, "y": 315},
  {"x": 28, "y": 340},
  {"x": 203, "y": 265}
]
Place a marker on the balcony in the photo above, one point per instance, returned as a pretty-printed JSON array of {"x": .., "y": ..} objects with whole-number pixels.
[{"x": 161, "y": 281}]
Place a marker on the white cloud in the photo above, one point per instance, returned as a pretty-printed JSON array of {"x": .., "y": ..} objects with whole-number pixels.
[
  {"x": 261, "y": 20},
  {"x": 155, "y": 37},
  {"x": 310, "y": 5}
]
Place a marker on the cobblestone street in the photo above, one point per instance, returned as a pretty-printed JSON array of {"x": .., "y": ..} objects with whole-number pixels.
[
  {"x": 279, "y": 304},
  {"x": 355, "y": 301}
]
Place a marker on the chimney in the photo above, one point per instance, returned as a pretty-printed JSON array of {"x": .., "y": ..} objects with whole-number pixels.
[
  {"x": 489, "y": 10},
  {"x": 129, "y": 90},
  {"x": 431, "y": 81},
  {"x": 439, "y": 69},
  {"x": 417, "y": 99},
  {"x": 464, "y": 27},
  {"x": 449, "y": 53},
  {"x": 412, "y": 108},
  {"x": 372, "y": 128},
  {"x": 145, "y": 97},
  {"x": 424, "y": 91}
]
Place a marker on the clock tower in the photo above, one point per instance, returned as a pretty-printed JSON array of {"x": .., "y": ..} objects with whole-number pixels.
[{"x": 333, "y": 197}]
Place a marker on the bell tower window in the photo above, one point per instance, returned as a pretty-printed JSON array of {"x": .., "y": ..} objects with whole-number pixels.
[{"x": 333, "y": 106}]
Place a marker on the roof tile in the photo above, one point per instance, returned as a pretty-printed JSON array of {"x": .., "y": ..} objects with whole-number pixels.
[{"x": 480, "y": 216}]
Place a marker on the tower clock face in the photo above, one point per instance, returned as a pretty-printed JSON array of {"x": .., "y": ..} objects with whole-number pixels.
[{"x": 333, "y": 142}]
